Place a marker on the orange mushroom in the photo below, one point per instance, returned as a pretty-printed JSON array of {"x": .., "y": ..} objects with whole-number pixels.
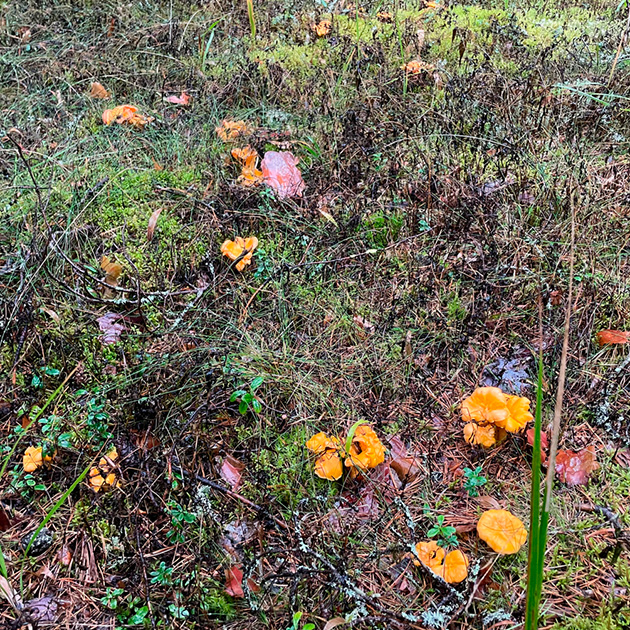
[
  {"x": 502, "y": 531},
  {"x": 486, "y": 405},
  {"x": 328, "y": 465},
  {"x": 455, "y": 567},
  {"x": 430, "y": 554},
  {"x": 125, "y": 115},
  {"x": 481, "y": 435},
  {"x": 366, "y": 450},
  {"x": 33, "y": 459},
  {"x": 240, "y": 247},
  {"x": 229, "y": 130},
  {"x": 519, "y": 417},
  {"x": 102, "y": 477},
  {"x": 452, "y": 567}
]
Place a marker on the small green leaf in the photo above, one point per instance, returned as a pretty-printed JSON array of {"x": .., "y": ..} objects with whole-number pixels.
[
  {"x": 243, "y": 407},
  {"x": 257, "y": 382},
  {"x": 256, "y": 405},
  {"x": 434, "y": 531},
  {"x": 237, "y": 394}
]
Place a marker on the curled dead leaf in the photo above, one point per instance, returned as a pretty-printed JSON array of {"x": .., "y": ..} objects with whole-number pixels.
[
  {"x": 231, "y": 471},
  {"x": 152, "y": 223},
  {"x": 234, "y": 582},
  {"x": 183, "y": 99},
  {"x": 98, "y": 91}
]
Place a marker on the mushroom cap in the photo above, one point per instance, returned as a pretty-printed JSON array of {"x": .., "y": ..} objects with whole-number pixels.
[
  {"x": 329, "y": 466},
  {"x": 455, "y": 567},
  {"x": 486, "y": 405},
  {"x": 482, "y": 435},
  {"x": 233, "y": 249},
  {"x": 32, "y": 458},
  {"x": 519, "y": 417},
  {"x": 320, "y": 442},
  {"x": 431, "y": 555},
  {"x": 366, "y": 450},
  {"x": 502, "y": 531}
]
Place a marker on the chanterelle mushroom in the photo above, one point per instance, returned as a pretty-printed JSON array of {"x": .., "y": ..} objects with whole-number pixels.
[{"x": 502, "y": 531}]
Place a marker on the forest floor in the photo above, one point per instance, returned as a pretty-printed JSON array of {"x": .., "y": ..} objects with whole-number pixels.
[{"x": 435, "y": 222}]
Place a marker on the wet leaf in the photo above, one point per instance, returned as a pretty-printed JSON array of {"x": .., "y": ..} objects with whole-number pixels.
[
  {"x": 605, "y": 337},
  {"x": 42, "y": 608},
  {"x": 575, "y": 469},
  {"x": 64, "y": 556},
  {"x": 231, "y": 471},
  {"x": 152, "y": 223},
  {"x": 405, "y": 467},
  {"x": 111, "y": 327},
  {"x": 98, "y": 91},
  {"x": 234, "y": 582},
  {"x": 183, "y": 99},
  {"x": 366, "y": 325},
  {"x": 511, "y": 375},
  {"x": 280, "y": 172},
  {"x": 333, "y": 623}
]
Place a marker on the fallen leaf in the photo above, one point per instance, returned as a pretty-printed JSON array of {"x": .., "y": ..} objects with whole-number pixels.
[
  {"x": 363, "y": 323},
  {"x": 98, "y": 91},
  {"x": 152, "y": 223},
  {"x": 42, "y": 608},
  {"x": 7, "y": 591},
  {"x": 605, "y": 337},
  {"x": 182, "y": 99},
  {"x": 231, "y": 471},
  {"x": 416, "y": 66},
  {"x": 367, "y": 508},
  {"x": 145, "y": 440},
  {"x": 5, "y": 522},
  {"x": 405, "y": 467},
  {"x": 573, "y": 468},
  {"x": 544, "y": 443},
  {"x": 511, "y": 375},
  {"x": 110, "y": 327},
  {"x": 64, "y": 556},
  {"x": 280, "y": 172},
  {"x": 234, "y": 582},
  {"x": 333, "y": 623},
  {"x": 489, "y": 503}
]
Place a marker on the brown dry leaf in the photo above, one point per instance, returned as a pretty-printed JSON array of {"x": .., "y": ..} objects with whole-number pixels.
[
  {"x": 575, "y": 469},
  {"x": 333, "y": 623},
  {"x": 280, "y": 172},
  {"x": 183, "y": 99},
  {"x": 605, "y": 337},
  {"x": 152, "y": 223},
  {"x": 363, "y": 323},
  {"x": 231, "y": 471},
  {"x": 64, "y": 556},
  {"x": 112, "y": 271},
  {"x": 489, "y": 503},
  {"x": 98, "y": 91},
  {"x": 405, "y": 467},
  {"x": 145, "y": 440},
  {"x": 8, "y": 592},
  {"x": 42, "y": 609}
]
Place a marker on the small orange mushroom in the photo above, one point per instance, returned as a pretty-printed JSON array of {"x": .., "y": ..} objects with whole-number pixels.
[
  {"x": 33, "y": 459},
  {"x": 502, "y": 531},
  {"x": 240, "y": 247},
  {"x": 455, "y": 567},
  {"x": 366, "y": 450},
  {"x": 482, "y": 435},
  {"x": 486, "y": 405},
  {"x": 102, "y": 477},
  {"x": 328, "y": 465},
  {"x": 519, "y": 417},
  {"x": 323, "y": 28},
  {"x": 430, "y": 554},
  {"x": 229, "y": 130},
  {"x": 451, "y": 567},
  {"x": 125, "y": 115}
]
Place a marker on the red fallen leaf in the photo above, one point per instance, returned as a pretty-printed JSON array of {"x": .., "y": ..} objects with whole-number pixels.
[
  {"x": 145, "y": 440},
  {"x": 367, "y": 506},
  {"x": 182, "y": 99},
  {"x": 544, "y": 443},
  {"x": 280, "y": 172},
  {"x": 605, "y": 337},
  {"x": 231, "y": 470},
  {"x": 110, "y": 327},
  {"x": 64, "y": 556},
  {"x": 573, "y": 468},
  {"x": 234, "y": 582}
]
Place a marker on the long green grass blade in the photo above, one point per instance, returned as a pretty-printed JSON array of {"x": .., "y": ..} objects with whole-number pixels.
[{"x": 537, "y": 542}]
